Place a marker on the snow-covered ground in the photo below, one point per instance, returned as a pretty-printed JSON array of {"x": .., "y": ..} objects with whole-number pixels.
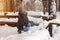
[
  {"x": 35, "y": 33},
  {"x": 10, "y": 33}
]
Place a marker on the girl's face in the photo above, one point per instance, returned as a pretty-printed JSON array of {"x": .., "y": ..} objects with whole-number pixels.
[{"x": 23, "y": 10}]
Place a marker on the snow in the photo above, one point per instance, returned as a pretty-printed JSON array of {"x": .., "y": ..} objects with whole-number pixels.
[
  {"x": 36, "y": 35},
  {"x": 10, "y": 33},
  {"x": 31, "y": 13},
  {"x": 12, "y": 13},
  {"x": 34, "y": 13},
  {"x": 35, "y": 20},
  {"x": 6, "y": 30},
  {"x": 35, "y": 32},
  {"x": 8, "y": 20},
  {"x": 9, "y": 13},
  {"x": 55, "y": 21},
  {"x": 56, "y": 33},
  {"x": 44, "y": 24}
]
